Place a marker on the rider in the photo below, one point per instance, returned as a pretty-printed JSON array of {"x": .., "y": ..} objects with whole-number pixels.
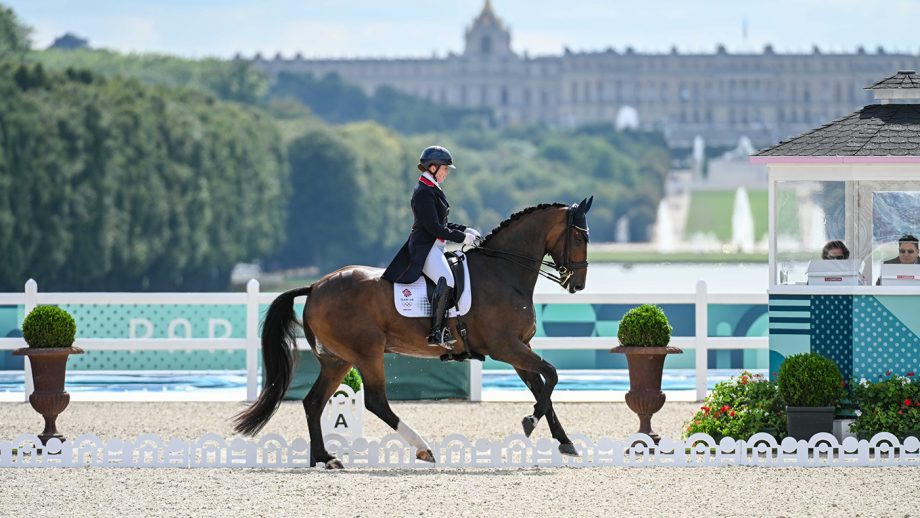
[{"x": 424, "y": 250}]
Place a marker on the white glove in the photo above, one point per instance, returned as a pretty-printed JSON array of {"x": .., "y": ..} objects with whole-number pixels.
[
  {"x": 473, "y": 231},
  {"x": 471, "y": 240}
]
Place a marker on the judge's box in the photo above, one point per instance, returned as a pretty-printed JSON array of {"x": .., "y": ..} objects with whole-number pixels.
[{"x": 833, "y": 272}]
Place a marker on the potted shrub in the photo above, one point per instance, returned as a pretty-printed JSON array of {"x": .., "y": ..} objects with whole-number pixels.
[
  {"x": 739, "y": 408},
  {"x": 644, "y": 334},
  {"x": 49, "y": 331},
  {"x": 810, "y": 386}
]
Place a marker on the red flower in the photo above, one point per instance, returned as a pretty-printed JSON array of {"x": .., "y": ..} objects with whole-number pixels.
[
  {"x": 907, "y": 402},
  {"x": 732, "y": 413},
  {"x": 705, "y": 409},
  {"x": 888, "y": 373},
  {"x": 726, "y": 408},
  {"x": 900, "y": 412},
  {"x": 744, "y": 380},
  {"x": 910, "y": 374}
]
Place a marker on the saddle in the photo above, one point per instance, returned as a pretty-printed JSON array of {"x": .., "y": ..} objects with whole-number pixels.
[{"x": 414, "y": 299}]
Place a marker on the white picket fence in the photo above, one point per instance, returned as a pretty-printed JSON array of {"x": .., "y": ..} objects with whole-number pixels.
[
  {"x": 273, "y": 451},
  {"x": 252, "y": 298}
]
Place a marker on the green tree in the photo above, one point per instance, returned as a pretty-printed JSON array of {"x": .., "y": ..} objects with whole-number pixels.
[
  {"x": 112, "y": 184},
  {"x": 14, "y": 35}
]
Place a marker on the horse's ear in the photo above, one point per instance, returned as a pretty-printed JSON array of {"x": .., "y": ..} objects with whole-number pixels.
[
  {"x": 580, "y": 206},
  {"x": 588, "y": 206}
]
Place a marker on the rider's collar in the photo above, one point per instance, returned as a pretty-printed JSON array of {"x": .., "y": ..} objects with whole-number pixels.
[{"x": 426, "y": 175}]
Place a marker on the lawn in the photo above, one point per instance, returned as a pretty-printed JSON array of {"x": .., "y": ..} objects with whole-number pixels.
[{"x": 711, "y": 211}]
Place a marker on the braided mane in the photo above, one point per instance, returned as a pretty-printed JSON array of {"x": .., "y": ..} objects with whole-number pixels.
[{"x": 516, "y": 216}]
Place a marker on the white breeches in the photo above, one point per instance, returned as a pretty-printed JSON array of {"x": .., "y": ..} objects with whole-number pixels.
[{"x": 436, "y": 264}]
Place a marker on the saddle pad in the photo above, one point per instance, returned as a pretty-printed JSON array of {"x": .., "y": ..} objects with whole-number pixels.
[{"x": 412, "y": 299}]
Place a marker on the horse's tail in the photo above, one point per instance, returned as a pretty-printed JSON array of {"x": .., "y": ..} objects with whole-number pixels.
[{"x": 279, "y": 356}]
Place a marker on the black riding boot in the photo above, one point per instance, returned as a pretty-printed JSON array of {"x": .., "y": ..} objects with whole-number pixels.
[{"x": 440, "y": 334}]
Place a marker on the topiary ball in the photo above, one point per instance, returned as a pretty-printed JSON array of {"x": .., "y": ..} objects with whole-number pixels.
[
  {"x": 49, "y": 326},
  {"x": 644, "y": 326},
  {"x": 809, "y": 380},
  {"x": 353, "y": 379}
]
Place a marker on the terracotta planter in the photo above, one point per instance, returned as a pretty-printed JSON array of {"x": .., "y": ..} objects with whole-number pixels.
[
  {"x": 49, "y": 365},
  {"x": 645, "y": 396}
]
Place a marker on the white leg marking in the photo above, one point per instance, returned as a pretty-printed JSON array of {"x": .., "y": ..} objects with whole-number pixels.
[{"x": 409, "y": 434}]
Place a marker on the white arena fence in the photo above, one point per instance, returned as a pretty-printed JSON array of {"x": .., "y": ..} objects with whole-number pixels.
[
  {"x": 458, "y": 451},
  {"x": 252, "y": 298}
]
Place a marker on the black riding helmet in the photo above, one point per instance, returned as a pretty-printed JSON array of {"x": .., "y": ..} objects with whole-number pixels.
[{"x": 435, "y": 155}]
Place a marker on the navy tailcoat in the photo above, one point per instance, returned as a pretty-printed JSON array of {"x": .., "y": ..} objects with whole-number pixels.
[{"x": 430, "y": 209}]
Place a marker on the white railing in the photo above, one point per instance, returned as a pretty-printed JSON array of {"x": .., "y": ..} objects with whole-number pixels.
[{"x": 701, "y": 343}]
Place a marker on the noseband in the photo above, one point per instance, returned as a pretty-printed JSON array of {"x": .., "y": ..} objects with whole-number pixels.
[{"x": 565, "y": 270}]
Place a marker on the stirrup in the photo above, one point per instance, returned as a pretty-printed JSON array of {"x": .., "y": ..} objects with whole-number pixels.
[{"x": 443, "y": 339}]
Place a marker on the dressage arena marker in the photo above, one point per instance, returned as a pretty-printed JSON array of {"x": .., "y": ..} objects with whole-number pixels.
[{"x": 457, "y": 451}]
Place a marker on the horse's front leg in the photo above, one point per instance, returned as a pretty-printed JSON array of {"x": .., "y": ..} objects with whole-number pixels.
[
  {"x": 535, "y": 383},
  {"x": 522, "y": 358}
]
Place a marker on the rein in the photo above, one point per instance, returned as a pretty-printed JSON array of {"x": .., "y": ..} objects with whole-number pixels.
[{"x": 565, "y": 271}]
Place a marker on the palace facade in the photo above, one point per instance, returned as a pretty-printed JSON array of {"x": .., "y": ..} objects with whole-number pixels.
[{"x": 721, "y": 96}]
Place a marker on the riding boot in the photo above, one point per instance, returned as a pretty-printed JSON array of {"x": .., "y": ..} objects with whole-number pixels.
[{"x": 440, "y": 335}]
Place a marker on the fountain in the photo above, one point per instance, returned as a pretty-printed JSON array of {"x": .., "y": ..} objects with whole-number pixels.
[
  {"x": 621, "y": 233},
  {"x": 817, "y": 231},
  {"x": 627, "y": 118},
  {"x": 664, "y": 229},
  {"x": 742, "y": 222}
]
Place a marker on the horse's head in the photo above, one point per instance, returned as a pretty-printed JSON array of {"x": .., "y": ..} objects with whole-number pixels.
[{"x": 568, "y": 246}]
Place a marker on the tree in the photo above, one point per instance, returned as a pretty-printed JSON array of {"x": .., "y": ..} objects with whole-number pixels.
[{"x": 14, "y": 36}]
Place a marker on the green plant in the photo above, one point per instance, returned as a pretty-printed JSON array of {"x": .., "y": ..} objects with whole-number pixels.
[
  {"x": 644, "y": 326},
  {"x": 49, "y": 326},
  {"x": 891, "y": 405},
  {"x": 809, "y": 380},
  {"x": 739, "y": 408},
  {"x": 353, "y": 379}
]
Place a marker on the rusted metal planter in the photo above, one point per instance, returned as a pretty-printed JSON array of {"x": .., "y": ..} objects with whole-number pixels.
[
  {"x": 645, "y": 396},
  {"x": 49, "y": 366}
]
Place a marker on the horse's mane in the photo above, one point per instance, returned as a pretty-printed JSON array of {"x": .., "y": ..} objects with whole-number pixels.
[{"x": 516, "y": 216}]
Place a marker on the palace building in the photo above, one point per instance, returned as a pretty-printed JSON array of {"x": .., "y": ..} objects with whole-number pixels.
[{"x": 766, "y": 96}]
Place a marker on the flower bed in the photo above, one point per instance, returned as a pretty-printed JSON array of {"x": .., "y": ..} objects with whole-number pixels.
[
  {"x": 739, "y": 408},
  {"x": 890, "y": 405}
]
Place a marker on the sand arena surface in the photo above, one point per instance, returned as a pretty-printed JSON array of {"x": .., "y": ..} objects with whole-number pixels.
[{"x": 732, "y": 491}]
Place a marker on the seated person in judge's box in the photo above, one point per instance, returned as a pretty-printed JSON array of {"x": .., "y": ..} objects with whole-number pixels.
[
  {"x": 835, "y": 250},
  {"x": 907, "y": 251},
  {"x": 908, "y": 247}
]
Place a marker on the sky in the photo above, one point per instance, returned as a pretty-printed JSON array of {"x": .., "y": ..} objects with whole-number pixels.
[{"x": 422, "y": 28}]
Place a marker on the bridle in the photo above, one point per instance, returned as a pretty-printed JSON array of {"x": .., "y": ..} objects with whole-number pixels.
[{"x": 565, "y": 270}]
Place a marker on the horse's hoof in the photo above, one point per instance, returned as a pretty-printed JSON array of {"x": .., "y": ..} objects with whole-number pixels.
[
  {"x": 334, "y": 463},
  {"x": 425, "y": 455},
  {"x": 568, "y": 449},
  {"x": 529, "y": 423}
]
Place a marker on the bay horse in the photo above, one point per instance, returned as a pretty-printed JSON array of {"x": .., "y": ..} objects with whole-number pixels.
[{"x": 350, "y": 319}]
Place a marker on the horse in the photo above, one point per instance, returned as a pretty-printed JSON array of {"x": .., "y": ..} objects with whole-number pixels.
[{"x": 350, "y": 319}]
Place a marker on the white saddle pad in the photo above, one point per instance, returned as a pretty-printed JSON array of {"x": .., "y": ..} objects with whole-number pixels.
[{"x": 412, "y": 299}]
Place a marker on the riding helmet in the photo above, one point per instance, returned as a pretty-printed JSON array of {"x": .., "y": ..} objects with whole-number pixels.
[{"x": 435, "y": 155}]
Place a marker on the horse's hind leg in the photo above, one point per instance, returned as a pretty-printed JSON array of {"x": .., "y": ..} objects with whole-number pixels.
[
  {"x": 375, "y": 398},
  {"x": 331, "y": 372},
  {"x": 535, "y": 383}
]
